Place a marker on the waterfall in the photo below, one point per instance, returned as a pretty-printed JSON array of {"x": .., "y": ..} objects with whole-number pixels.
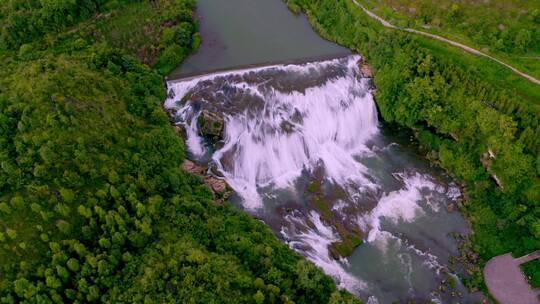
[
  {"x": 302, "y": 148},
  {"x": 322, "y": 118}
]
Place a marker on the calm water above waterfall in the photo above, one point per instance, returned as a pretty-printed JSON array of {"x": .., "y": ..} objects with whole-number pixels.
[
  {"x": 304, "y": 151},
  {"x": 242, "y": 32}
]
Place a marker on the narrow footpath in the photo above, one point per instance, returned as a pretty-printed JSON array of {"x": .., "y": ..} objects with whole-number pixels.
[{"x": 451, "y": 42}]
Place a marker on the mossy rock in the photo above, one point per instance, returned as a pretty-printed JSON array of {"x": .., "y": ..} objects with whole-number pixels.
[
  {"x": 346, "y": 247},
  {"x": 314, "y": 187},
  {"x": 211, "y": 125}
]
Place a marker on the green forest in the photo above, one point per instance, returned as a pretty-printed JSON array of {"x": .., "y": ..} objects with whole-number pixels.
[
  {"x": 93, "y": 204},
  {"x": 509, "y": 30},
  {"x": 483, "y": 132}
]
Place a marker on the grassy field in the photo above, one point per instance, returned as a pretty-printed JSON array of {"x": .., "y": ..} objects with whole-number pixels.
[
  {"x": 508, "y": 30},
  {"x": 532, "y": 271},
  {"x": 491, "y": 72}
]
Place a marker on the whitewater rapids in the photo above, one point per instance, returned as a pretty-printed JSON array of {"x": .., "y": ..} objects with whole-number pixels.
[{"x": 287, "y": 127}]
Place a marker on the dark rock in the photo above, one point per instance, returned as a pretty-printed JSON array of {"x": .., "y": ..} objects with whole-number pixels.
[
  {"x": 179, "y": 129},
  {"x": 184, "y": 99},
  {"x": 219, "y": 187},
  {"x": 211, "y": 125},
  {"x": 213, "y": 170},
  {"x": 170, "y": 94},
  {"x": 345, "y": 247}
]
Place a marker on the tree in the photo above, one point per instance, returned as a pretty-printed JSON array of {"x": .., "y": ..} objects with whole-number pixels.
[
  {"x": 523, "y": 39},
  {"x": 259, "y": 297},
  {"x": 5, "y": 208},
  {"x": 535, "y": 14}
]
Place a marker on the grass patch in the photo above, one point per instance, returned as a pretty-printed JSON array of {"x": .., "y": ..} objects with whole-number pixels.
[
  {"x": 492, "y": 72},
  {"x": 532, "y": 272}
]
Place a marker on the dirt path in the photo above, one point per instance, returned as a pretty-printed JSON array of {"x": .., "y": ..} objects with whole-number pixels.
[
  {"x": 529, "y": 257},
  {"x": 451, "y": 42}
]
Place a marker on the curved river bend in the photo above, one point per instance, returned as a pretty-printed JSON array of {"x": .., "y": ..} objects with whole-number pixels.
[{"x": 304, "y": 151}]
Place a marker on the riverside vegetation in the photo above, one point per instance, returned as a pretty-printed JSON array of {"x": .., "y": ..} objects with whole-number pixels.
[
  {"x": 479, "y": 121},
  {"x": 93, "y": 205},
  {"x": 509, "y": 30}
]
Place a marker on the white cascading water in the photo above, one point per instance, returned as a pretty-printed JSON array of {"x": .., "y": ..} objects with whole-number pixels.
[
  {"x": 336, "y": 119},
  {"x": 283, "y": 122}
]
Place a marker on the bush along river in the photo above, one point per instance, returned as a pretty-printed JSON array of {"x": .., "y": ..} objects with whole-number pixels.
[{"x": 302, "y": 148}]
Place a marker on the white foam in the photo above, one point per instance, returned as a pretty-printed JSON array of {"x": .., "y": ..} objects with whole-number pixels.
[
  {"x": 453, "y": 191},
  {"x": 318, "y": 239},
  {"x": 339, "y": 205},
  {"x": 401, "y": 205},
  {"x": 430, "y": 260},
  {"x": 182, "y": 86},
  {"x": 194, "y": 142},
  {"x": 372, "y": 300},
  {"x": 406, "y": 260},
  {"x": 336, "y": 121}
]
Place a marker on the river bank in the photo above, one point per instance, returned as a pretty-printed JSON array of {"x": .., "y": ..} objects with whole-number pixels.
[{"x": 421, "y": 85}]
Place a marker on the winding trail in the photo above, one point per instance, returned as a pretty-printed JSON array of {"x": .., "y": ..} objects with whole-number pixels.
[{"x": 451, "y": 42}]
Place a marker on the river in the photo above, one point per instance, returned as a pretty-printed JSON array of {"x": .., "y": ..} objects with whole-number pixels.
[
  {"x": 243, "y": 32},
  {"x": 304, "y": 150}
]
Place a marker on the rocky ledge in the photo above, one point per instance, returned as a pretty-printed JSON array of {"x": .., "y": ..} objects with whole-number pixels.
[
  {"x": 219, "y": 187},
  {"x": 365, "y": 69},
  {"x": 211, "y": 125},
  {"x": 324, "y": 203}
]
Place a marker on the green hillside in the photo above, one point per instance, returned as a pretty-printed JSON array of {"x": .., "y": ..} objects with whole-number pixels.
[
  {"x": 93, "y": 205},
  {"x": 509, "y": 30}
]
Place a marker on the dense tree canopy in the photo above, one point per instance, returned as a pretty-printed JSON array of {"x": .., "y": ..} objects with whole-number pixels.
[{"x": 93, "y": 205}]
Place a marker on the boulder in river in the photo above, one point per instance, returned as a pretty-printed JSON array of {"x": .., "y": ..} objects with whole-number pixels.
[
  {"x": 211, "y": 125},
  {"x": 350, "y": 236}
]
